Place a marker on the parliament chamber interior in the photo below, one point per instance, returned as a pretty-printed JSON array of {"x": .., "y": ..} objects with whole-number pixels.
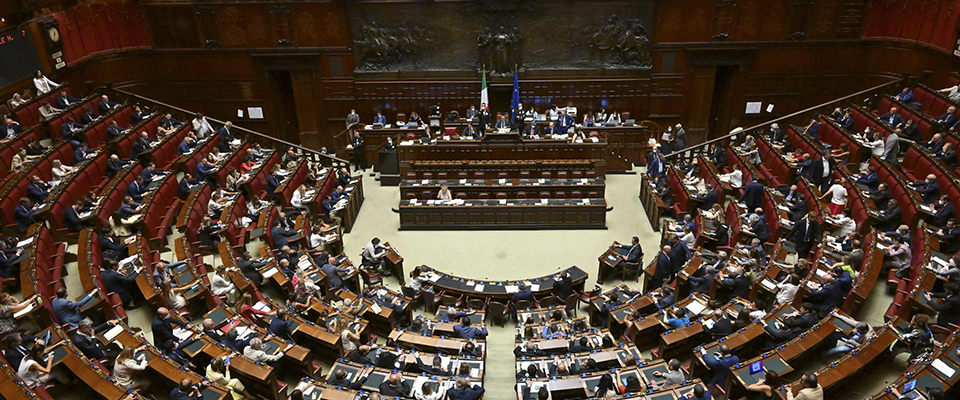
[{"x": 465, "y": 199}]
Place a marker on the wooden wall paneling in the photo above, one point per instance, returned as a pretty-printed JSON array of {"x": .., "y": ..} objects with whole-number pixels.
[
  {"x": 282, "y": 23},
  {"x": 209, "y": 30}
]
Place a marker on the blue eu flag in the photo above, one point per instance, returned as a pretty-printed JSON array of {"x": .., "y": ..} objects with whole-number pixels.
[{"x": 515, "y": 103}]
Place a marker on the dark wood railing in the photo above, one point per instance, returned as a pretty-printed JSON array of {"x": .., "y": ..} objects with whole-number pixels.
[
  {"x": 311, "y": 154},
  {"x": 689, "y": 153}
]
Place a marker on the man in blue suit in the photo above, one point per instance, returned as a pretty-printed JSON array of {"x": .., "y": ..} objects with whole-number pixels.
[
  {"x": 752, "y": 194},
  {"x": 463, "y": 390},
  {"x": 892, "y": 117},
  {"x": 564, "y": 122},
  {"x": 124, "y": 286},
  {"x": 663, "y": 269},
  {"x": 281, "y": 236},
  {"x": 68, "y": 312},
  {"x": 38, "y": 190},
  {"x": 869, "y": 178},
  {"x": 905, "y": 96},
  {"x": 273, "y": 182},
  {"x": 162, "y": 329},
  {"x": 150, "y": 172},
  {"x": 679, "y": 254},
  {"x": 948, "y": 118},
  {"x": 465, "y": 331},
  {"x": 380, "y": 119},
  {"x": 226, "y": 136},
  {"x": 24, "y": 214},
  {"x": 107, "y": 242},
  {"x": 68, "y": 132},
  {"x": 279, "y": 327},
  {"x": 824, "y": 298},
  {"x": 185, "y": 146},
  {"x": 928, "y": 189},
  {"x": 719, "y": 364},
  {"x": 136, "y": 189}
]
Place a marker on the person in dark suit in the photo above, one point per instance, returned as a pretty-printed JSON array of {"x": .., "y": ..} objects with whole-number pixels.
[
  {"x": 185, "y": 146},
  {"x": 24, "y": 214},
  {"x": 281, "y": 235},
  {"x": 114, "y": 131},
  {"x": 71, "y": 218},
  {"x": 634, "y": 256},
  {"x": 395, "y": 386},
  {"x": 847, "y": 122},
  {"x": 379, "y": 119},
  {"x": 136, "y": 189},
  {"x": 881, "y": 196},
  {"x": 464, "y": 391},
  {"x": 775, "y": 136},
  {"x": 719, "y": 364},
  {"x": 708, "y": 199},
  {"x": 358, "y": 153},
  {"x": 824, "y": 298},
  {"x": 719, "y": 157},
  {"x": 702, "y": 280},
  {"x": 149, "y": 172},
  {"x": 465, "y": 331},
  {"x": 759, "y": 227},
  {"x": 949, "y": 236},
  {"x": 869, "y": 178},
  {"x": 168, "y": 124},
  {"x": 722, "y": 326},
  {"x": 10, "y": 129},
  {"x": 162, "y": 329},
  {"x": 138, "y": 114},
  {"x": 663, "y": 269},
  {"x": 679, "y": 254},
  {"x": 935, "y": 144},
  {"x": 81, "y": 154},
  {"x": 581, "y": 345},
  {"x": 279, "y": 327},
  {"x": 16, "y": 350},
  {"x": 947, "y": 119},
  {"x": 339, "y": 379},
  {"x": 114, "y": 165},
  {"x": 115, "y": 282},
  {"x": 65, "y": 100},
  {"x": 85, "y": 338},
  {"x": 944, "y": 212},
  {"x": 947, "y": 155},
  {"x": 564, "y": 122},
  {"x": 187, "y": 184},
  {"x": 738, "y": 283},
  {"x": 892, "y": 117},
  {"x": 805, "y": 234},
  {"x": 435, "y": 368},
  {"x": 250, "y": 268},
  {"x": 188, "y": 390},
  {"x": 140, "y": 147},
  {"x": 483, "y": 118},
  {"x": 226, "y": 136},
  {"x": 793, "y": 325},
  {"x": 37, "y": 190},
  {"x": 753, "y": 194},
  {"x": 948, "y": 310},
  {"x": 332, "y": 273},
  {"x": 804, "y": 168},
  {"x": 563, "y": 286},
  {"x": 106, "y": 105},
  {"x": 928, "y": 189}
]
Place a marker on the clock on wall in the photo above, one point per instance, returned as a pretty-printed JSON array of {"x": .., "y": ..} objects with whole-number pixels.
[{"x": 53, "y": 42}]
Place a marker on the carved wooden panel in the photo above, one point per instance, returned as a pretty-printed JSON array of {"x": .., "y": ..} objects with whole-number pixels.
[{"x": 230, "y": 21}]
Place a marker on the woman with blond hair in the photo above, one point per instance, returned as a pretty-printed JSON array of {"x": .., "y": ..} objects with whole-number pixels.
[
  {"x": 219, "y": 372},
  {"x": 125, "y": 369}
]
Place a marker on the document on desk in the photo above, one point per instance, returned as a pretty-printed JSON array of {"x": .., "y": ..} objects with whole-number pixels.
[
  {"x": 129, "y": 260},
  {"x": 261, "y": 306},
  {"x": 769, "y": 284},
  {"x": 113, "y": 333},
  {"x": 25, "y": 242},
  {"x": 512, "y": 288},
  {"x": 182, "y": 334},
  {"x": 268, "y": 273},
  {"x": 26, "y": 310},
  {"x": 696, "y": 307},
  {"x": 534, "y": 287},
  {"x": 943, "y": 368},
  {"x": 479, "y": 288}
]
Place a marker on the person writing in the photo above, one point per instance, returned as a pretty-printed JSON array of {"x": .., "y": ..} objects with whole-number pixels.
[{"x": 444, "y": 194}]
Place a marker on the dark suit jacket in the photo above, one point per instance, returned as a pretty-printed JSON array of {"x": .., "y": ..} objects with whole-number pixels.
[
  {"x": 896, "y": 119},
  {"x": 799, "y": 232},
  {"x": 563, "y": 288},
  {"x": 14, "y": 355},
  {"x": 113, "y": 167},
  {"x": 162, "y": 331},
  {"x": 709, "y": 199},
  {"x": 402, "y": 390},
  {"x": 71, "y": 220},
  {"x": 948, "y": 157},
  {"x": 114, "y": 132},
  {"x": 139, "y": 147},
  {"x": 24, "y": 218},
  {"x": 472, "y": 393},
  {"x": 119, "y": 284},
  {"x": 829, "y": 296},
  {"x": 92, "y": 348},
  {"x": 281, "y": 236},
  {"x": 948, "y": 311},
  {"x": 752, "y": 195},
  {"x": 280, "y": 328}
]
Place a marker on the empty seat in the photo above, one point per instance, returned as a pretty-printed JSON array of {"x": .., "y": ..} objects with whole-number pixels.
[
  {"x": 442, "y": 175},
  {"x": 561, "y": 195},
  {"x": 522, "y": 195},
  {"x": 524, "y": 174},
  {"x": 461, "y": 195},
  {"x": 544, "y": 195},
  {"x": 483, "y": 196},
  {"x": 591, "y": 174},
  {"x": 562, "y": 175},
  {"x": 577, "y": 175},
  {"x": 501, "y": 196},
  {"x": 427, "y": 175},
  {"x": 576, "y": 195},
  {"x": 461, "y": 175},
  {"x": 501, "y": 175},
  {"x": 546, "y": 175},
  {"x": 478, "y": 175}
]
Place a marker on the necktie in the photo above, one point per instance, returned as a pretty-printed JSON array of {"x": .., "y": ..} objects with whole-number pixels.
[{"x": 807, "y": 235}]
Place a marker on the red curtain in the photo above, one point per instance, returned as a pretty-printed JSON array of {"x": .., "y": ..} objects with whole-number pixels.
[{"x": 96, "y": 28}]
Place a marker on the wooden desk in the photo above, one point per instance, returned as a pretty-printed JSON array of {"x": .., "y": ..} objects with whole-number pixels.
[
  {"x": 505, "y": 214},
  {"x": 594, "y": 153},
  {"x": 498, "y": 290}
]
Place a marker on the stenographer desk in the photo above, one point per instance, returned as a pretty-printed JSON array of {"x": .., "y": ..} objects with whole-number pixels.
[
  {"x": 504, "y": 214},
  {"x": 498, "y": 290},
  {"x": 472, "y": 188}
]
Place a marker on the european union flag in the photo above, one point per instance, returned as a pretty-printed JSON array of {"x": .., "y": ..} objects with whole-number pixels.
[{"x": 515, "y": 103}]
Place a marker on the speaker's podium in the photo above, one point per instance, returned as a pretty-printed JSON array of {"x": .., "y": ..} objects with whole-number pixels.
[
  {"x": 389, "y": 167},
  {"x": 502, "y": 136}
]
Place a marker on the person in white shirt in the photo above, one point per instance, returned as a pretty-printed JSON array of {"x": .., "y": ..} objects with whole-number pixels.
[
  {"x": 215, "y": 205},
  {"x": 17, "y": 100},
  {"x": 444, "y": 194},
  {"x": 300, "y": 198},
  {"x": 221, "y": 285},
  {"x": 845, "y": 223},
  {"x": 788, "y": 289},
  {"x": 373, "y": 254},
  {"x": 734, "y": 178},
  {"x": 426, "y": 392},
  {"x": 952, "y": 92},
  {"x": 35, "y": 370},
  {"x": 201, "y": 126},
  {"x": 688, "y": 237},
  {"x": 838, "y": 198},
  {"x": 44, "y": 85},
  {"x": 126, "y": 367},
  {"x": 316, "y": 236},
  {"x": 59, "y": 172}
]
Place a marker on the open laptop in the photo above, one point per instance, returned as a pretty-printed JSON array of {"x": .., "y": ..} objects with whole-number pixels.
[
  {"x": 756, "y": 370},
  {"x": 910, "y": 391}
]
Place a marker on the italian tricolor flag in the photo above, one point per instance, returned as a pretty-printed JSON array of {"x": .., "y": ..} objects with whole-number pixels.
[{"x": 484, "y": 99}]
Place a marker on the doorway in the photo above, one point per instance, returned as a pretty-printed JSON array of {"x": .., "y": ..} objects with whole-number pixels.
[
  {"x": 721, "y": 104},
  {"x": 286, "y": 124}
]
